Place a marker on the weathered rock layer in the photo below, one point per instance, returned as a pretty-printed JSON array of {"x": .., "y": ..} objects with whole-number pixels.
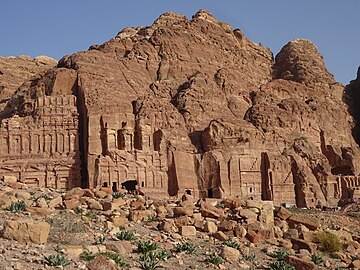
[{"x": 186, "y": 106}]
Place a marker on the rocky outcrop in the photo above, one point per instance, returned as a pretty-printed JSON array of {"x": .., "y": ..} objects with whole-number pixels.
[
  {"x": 16, "y": 70},
  {"x": 193, "y": 106}
]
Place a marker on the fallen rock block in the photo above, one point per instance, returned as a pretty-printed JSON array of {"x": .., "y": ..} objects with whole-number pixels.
[
  {"x": 300, "y": 264},
  {"x": 254, "y": 237},
  {"x": 27, "y": 231},
  {"x": 283, "y": 213},
  {"x": 302, "y": 244},
  {"x": 188, "y": 231},
  {"x": 208, "y": 210},
  {"x": 306, "y": 220},
  {"x": 230, "y": 254},
  {"x": 101, "y": 263}
]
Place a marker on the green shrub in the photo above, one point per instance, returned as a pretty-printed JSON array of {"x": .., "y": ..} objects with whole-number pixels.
[
  {"x": 113, "y": 256},
  {"x": 100, "y": 240},
  {"x": 280, "y": 265},
  {"x": 78, "y": 210},
  {"x": 151, "y": 218},
  {"x": 17, "y": 207},
  {"x": 330, "y": 242},
  {"x": 163, "y": 255},
  {"x": 335, "y": 255},
  {"x": 56, "y": 260},
  {"x": 280, "y": 254},
  {"x": 249, "y": 257},
  {"x": 316, "y": 259},
  {"x": 87, "y": 256},
  {"x": 149, "y": 261},
  {"x": 214, "y": 259},
  {"x": 145, "y": 247},
  {"x": 90, "y": 214},
  {"x": 125, "y": 235},
  {"x": 231, "y": 243},
  {"x": 186, "y": 247},
  {"x": 117, "y": 195}
]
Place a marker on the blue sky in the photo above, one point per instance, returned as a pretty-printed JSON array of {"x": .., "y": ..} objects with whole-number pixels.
[{"x": 58, "y": 28}]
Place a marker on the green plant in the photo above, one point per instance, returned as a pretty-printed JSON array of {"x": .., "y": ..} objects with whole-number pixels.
[
  {"x": 214, "y": 259},
  {"x": 280, "y": 265},
  {"x": 231, "y": 243},
  {"x": 149, "y": 261},
  {"x": 187, "y": 247},
  {"x": 151, "y": 218},
  {"x": 125, "y": 235},
  {"x": 317, "y": 259},
  {"x": 335, "y": 255},
  {"x": 249, "y": 257},
  {"x": 280, "y": 254},
  {"x": 78, "y": 210},
  {"x": 145, "y": 247},
  {"x": 354, "y": 257},
  {"x": 163, "y": 255},
  {"x": 90, "y": 214},
  {"x": 17, "y": 207},
  {"x": 113, "y": 256},
  {"x": 117, "y": 195},
  {"x": 56, "y": 260},
  {"x": 100, "y": 240},
  {"x": 330, "y": 242},
  {"x": 87, "y": 256}
]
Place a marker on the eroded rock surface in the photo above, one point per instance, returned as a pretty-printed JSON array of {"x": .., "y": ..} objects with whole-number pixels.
[{"x": 187, "y": 106}]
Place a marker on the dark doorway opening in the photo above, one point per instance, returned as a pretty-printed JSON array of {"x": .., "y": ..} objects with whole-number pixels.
[
  {"x": 188, "y": 192},
  {"x": 105, "y": 184},
  {"x": 114, "y": 187},
  {"x": 210, "y": 193}
]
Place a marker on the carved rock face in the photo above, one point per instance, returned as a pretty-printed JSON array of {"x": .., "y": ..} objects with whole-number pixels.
[{"x": 187, "y": 106}]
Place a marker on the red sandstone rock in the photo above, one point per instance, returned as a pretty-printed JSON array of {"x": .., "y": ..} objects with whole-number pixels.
[
  {"x": 254, "y": 237},
  {"x": 214, "y": 118},
  {"x": 300, "y": 264},
  {"x": 310, "y": 222}
]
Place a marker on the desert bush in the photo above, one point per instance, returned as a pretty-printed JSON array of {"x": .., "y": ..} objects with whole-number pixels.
[
  {"x": 280, "y": 254},
  {"x": 280, "y": 265},
  {"x": 117, "y": 195},
  {"x": 113, "y": 256},
  {"x": 100, "y": 240},
  {"x": 17, "y": 207},
  {"x": 186, "y": 247},
  {"x": 214, "y": 259},
  {"x": 231, "y": 243},
  {"x": 145, "y": 247},
  {"x": 56, "y": 260},
  {"x": 87, "y": 256},
  {"x": 149, "y": 261},
  {"x": 317, "y": 259},
  {"x": 125, "y": 235},
  {"x": 329, "y": 242}
]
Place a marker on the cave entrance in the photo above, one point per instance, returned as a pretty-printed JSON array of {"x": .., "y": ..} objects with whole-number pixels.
[
  {"x": 210, "y": 193},
  {"x": 342, "y": 170},
  {"x": 114, "y": 187}
]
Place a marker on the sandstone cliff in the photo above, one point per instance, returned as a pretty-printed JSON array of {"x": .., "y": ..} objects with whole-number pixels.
[
  {"x": 189, "y": 106},
  {"x": 15, "y": 70}
]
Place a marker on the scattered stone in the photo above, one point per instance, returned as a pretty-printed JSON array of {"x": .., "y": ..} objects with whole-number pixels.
[
  {"x": 27, "y": 231},
  {"x": 230, "y": 254},
  {"x": 188, "y": 231}
]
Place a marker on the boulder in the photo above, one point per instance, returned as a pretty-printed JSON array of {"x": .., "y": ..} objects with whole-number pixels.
[
  {"x": 27, "y": 231},
  {"x": 230, "y": 254}
]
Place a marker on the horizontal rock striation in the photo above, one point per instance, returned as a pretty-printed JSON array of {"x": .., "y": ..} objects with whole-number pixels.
[{"x": 186, "y": 106}]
